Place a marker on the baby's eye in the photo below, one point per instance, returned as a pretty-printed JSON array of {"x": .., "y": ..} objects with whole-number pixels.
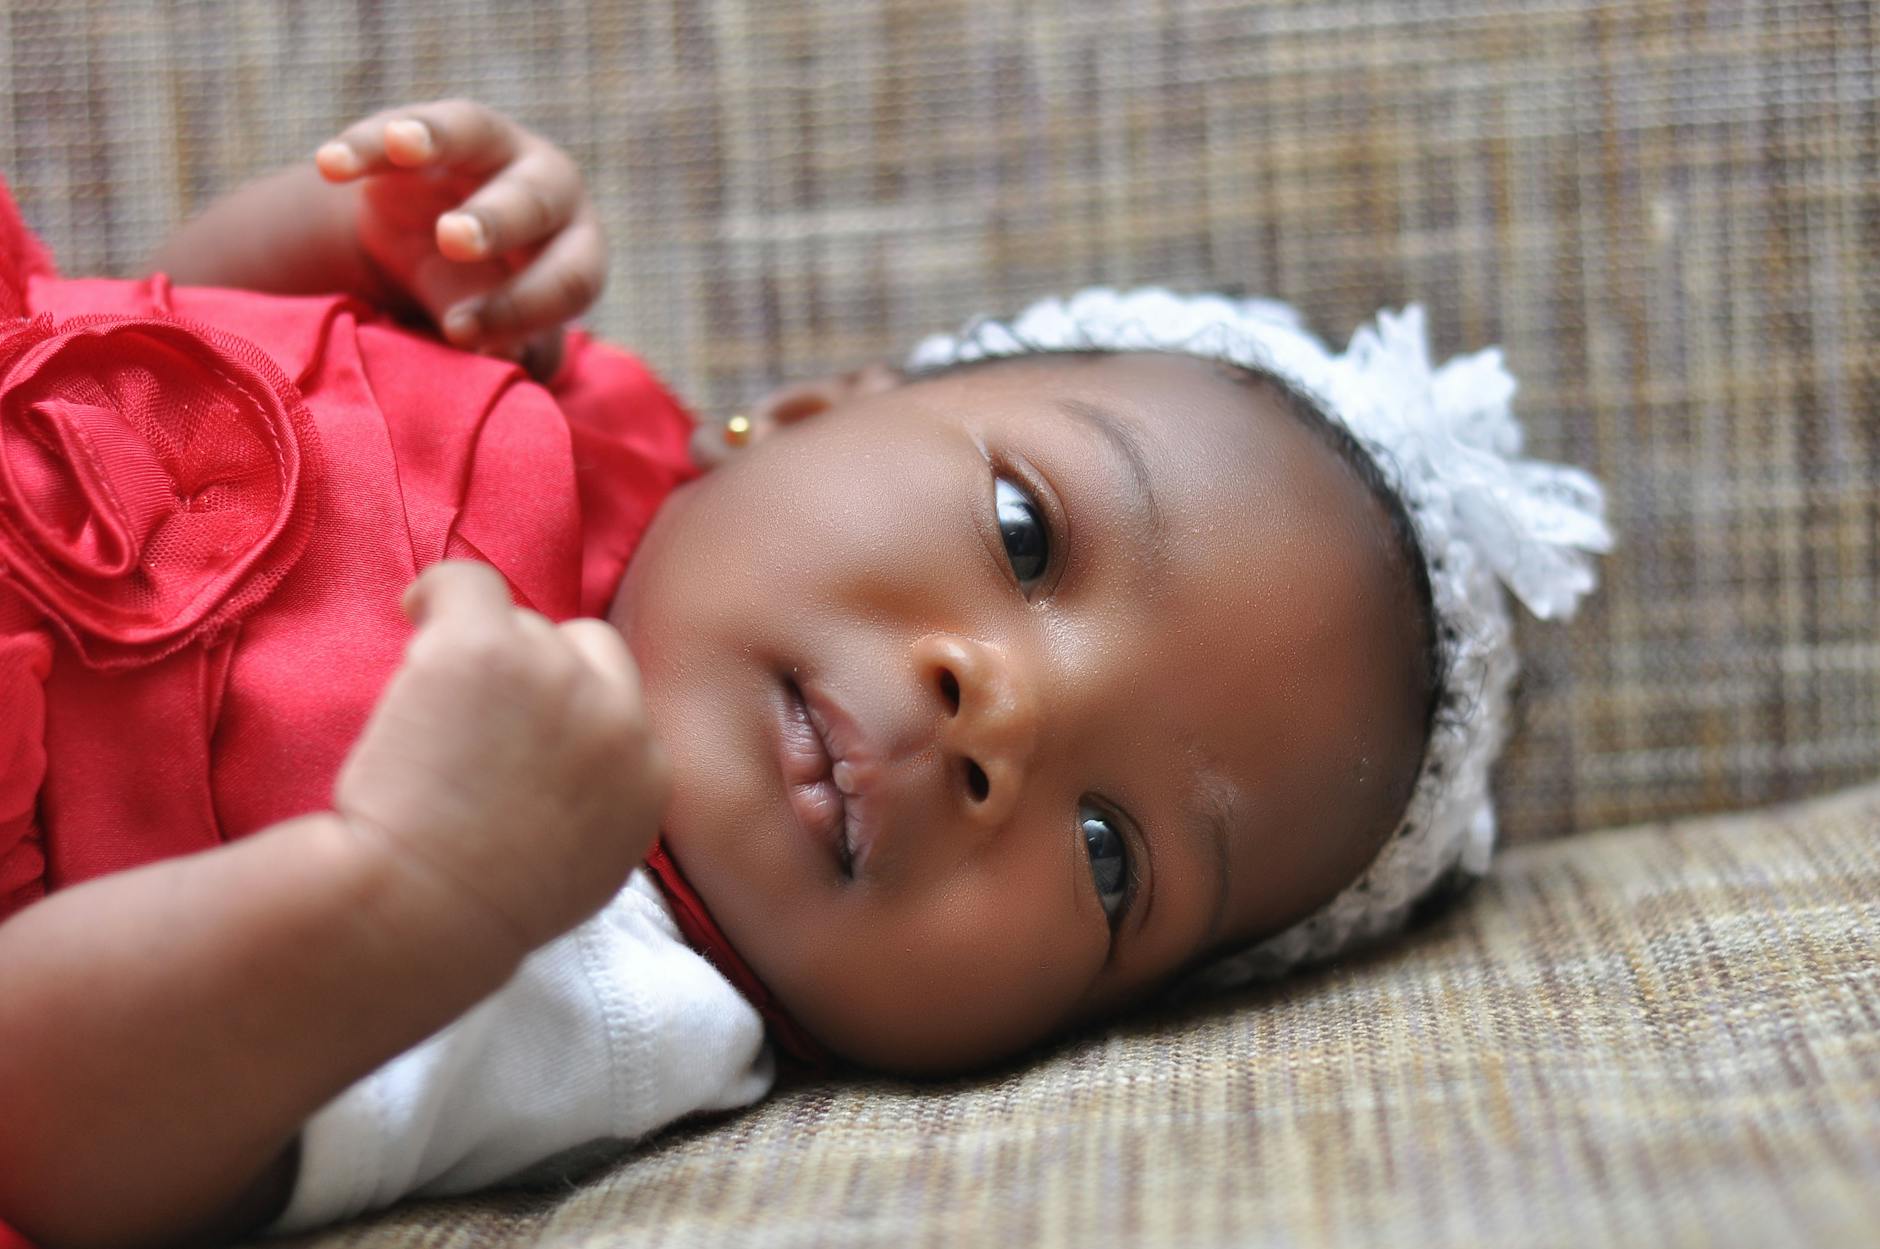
[
  {"x": 1109, "y": 862},
  {"x": 1022, "y": 527}
]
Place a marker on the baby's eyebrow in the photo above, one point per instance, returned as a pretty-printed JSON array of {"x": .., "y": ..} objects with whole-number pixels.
[{"x": 1147, "y": 511}]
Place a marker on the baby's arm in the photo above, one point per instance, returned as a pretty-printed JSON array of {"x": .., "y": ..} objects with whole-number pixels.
[
  {"x": 449, "y": 211},
  {"x": 164, "y": 1032}
]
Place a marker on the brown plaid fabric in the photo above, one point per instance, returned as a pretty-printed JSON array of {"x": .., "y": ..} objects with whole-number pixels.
[
  {"x": 1663, "y": 1036},
  {"x": 1667, "y": 211}
]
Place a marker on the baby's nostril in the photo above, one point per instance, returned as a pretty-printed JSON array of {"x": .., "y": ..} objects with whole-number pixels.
[
  {"x": 950, "y": 690},
  {"x": 976, "y": 782}
]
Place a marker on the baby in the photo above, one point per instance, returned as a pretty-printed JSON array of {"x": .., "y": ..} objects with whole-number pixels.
[{"x": 1139, "y": 642}]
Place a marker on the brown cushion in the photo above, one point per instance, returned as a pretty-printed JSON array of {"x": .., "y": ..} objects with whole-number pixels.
[{"x": 1660, "y": 1035}]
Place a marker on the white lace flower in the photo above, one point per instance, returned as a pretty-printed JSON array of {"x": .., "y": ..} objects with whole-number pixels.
[{"x": 1447, "y": 441}]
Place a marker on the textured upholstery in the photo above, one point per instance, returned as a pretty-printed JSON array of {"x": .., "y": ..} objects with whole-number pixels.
[
  {"x": 1658, "y": 1036},
  {"x": 1667, "y": 211}
]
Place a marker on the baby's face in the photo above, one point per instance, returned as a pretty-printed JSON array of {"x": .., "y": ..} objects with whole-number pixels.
[{"x": 996, "y": 700}]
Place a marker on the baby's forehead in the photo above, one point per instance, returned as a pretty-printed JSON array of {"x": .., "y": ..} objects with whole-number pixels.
[
  {"x": 1074, "y": 371},
  {"x": 1236, "y": 437},
  {"x": 1289, "y": 611},
  {"x": 1189, "y": 405}
]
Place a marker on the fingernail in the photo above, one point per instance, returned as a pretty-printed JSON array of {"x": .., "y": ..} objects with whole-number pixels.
[
  {"x": 469, "y": 231},
  {"x": 414, "y": 136},
  {"x": 337, "y": 160},
  {"x": 460, "y": 323}
]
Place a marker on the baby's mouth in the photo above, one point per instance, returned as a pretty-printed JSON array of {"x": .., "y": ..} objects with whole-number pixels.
[{"x": 819, "y": 783}]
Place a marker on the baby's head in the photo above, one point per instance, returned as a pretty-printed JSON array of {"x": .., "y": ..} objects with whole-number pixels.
[{"x": 1085, "y": 656}]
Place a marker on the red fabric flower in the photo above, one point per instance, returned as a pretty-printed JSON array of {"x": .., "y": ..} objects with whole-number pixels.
[{"x": 156, "y": 480}]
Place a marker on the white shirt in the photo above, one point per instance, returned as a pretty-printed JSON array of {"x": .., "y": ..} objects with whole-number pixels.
[{"x": 606, "y": 1034}]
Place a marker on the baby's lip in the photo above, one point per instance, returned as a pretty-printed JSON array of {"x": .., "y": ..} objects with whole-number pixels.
[
  {"x": 855, "y": 769},
  {"x": 805, "y": 765}
]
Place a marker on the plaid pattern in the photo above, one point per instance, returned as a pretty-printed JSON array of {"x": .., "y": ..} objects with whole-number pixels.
[
  {"x": 1662, "y": 1036},
  {"x": 1664, "y": 209}
]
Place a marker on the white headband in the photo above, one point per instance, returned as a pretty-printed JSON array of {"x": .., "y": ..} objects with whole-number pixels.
[{"x": 1447, "y": 442}]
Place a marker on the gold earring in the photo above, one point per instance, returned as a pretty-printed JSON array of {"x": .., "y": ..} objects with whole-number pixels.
[{"x": 738, "y": 430}]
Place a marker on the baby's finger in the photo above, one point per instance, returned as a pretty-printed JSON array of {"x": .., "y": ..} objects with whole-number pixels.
[
  {"x": 605, "y": 651},
  {"x": 520, "y": 207},
  {"x": 368, "y": 146},
  {"x": 456, "y": 134},
  {"x": 559, "y": 285},
  {"x": 458, "y": 590},
  {"x": 534, "y": 626}
]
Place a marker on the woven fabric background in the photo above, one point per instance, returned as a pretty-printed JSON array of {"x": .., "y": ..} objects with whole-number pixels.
[
  {"x": 1662, "y": 1036},
  {"x": 1668, "y": 211}
]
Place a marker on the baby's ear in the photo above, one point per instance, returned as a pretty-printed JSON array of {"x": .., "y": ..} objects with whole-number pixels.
[{"x": 713, "y": 443}]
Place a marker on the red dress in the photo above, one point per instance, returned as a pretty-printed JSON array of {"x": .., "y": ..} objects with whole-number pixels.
[{"x": 210, "y": 503}]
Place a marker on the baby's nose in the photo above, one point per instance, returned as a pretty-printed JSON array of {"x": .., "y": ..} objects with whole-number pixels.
[{"x": 989, "y": 721}]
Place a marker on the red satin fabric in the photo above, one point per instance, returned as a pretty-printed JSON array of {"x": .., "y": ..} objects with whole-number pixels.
[{"x": 210, "y": 503}]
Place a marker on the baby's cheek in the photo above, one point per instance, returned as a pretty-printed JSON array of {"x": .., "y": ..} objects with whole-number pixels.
[{"x": 974, "y": 971}]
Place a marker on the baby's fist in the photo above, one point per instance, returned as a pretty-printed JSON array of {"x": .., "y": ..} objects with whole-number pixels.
[{"x": 509, "y": 757}]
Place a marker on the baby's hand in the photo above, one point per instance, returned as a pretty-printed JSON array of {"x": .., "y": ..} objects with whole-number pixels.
[
  {"x": 508, "y": 757},
  {"x": 483, "y": 225}
]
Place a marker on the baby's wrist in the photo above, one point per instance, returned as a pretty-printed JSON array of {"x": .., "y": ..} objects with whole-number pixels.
[{"x": 423, "y": 906}]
